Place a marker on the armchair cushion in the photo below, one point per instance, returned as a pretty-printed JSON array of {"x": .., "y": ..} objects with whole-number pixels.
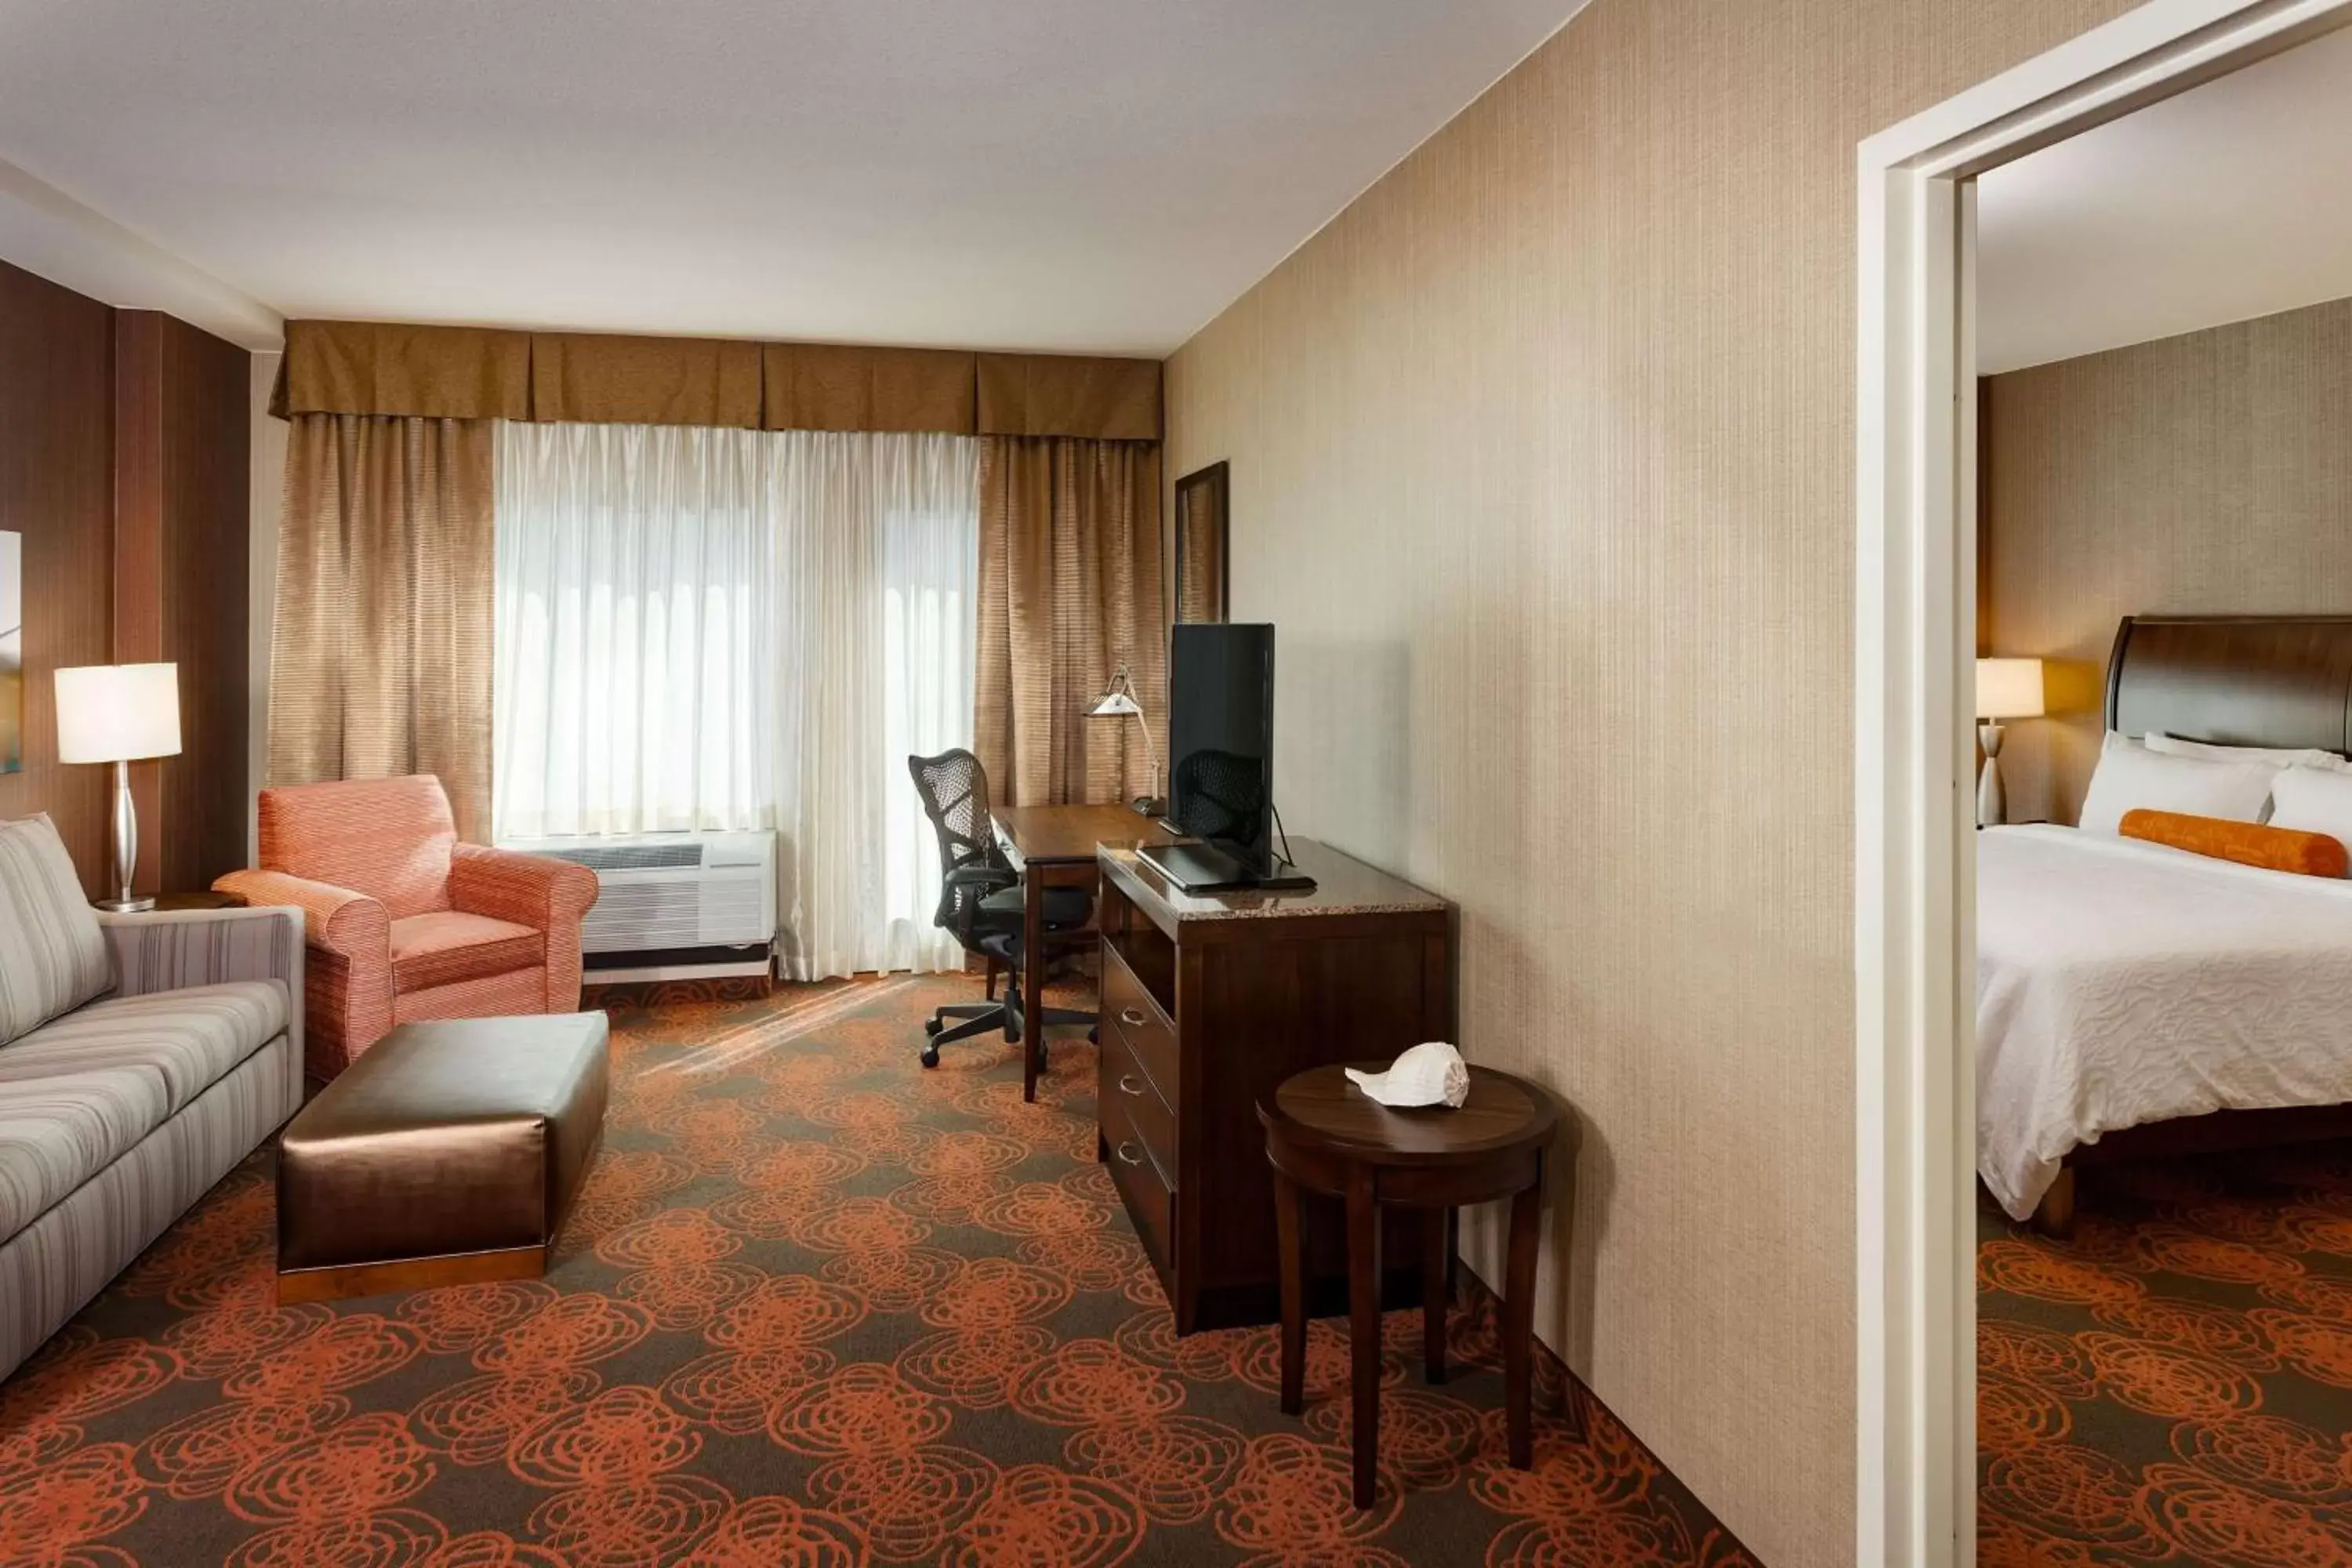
[
  {"x": 389, "y": 839},
  {"x": 53, "y": 956},
  {"x": 187, "y": 1040},
  {"x": 444, "y": 948}
]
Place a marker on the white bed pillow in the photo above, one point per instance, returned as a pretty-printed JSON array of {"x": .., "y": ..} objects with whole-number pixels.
[
  {"x": 2129, "y": 776},
  {"x": 2276, "y": 757},
  {"x": 2314, "y": 800}
]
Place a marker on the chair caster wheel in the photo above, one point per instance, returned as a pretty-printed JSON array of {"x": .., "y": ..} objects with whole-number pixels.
[
  {"x": 932, "y": 1026},
  {"x": 1094, "y": 1037},
  {"x": 930, "y": 1055}
]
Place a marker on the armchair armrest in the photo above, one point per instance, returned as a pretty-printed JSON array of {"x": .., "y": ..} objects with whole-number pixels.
[
  {"x": 536, "y": 891},
  {"x": 336, "y": 919},
  {"x": 172, "y": 950}
]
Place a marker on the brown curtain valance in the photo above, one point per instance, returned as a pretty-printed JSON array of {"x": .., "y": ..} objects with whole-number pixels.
[
  {"x": 593, "y": 378},
  {"x": 1063, "y": 395},
  {"x": 473, "y": 372},
  {"x": 830, "y": 387},
  {"x": 414, "y": 373}
]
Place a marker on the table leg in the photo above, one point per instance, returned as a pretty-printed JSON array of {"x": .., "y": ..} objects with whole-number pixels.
[
  {"x": 1436, "y": 1280},
  {"x": 1364, "y": 1329},
  {"x": 1293, "y": 1294},
  {"x": 1518, "y": 1323},
  {"x": 1033, "y": 977}
]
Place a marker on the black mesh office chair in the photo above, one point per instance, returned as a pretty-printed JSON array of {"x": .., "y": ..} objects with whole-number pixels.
[{"x": 981, "y": 899}]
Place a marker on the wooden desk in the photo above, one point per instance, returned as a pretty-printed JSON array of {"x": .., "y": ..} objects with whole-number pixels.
[
  {"x": 1209, "y": 1001},
  {"x": 1054, "y": 847}
]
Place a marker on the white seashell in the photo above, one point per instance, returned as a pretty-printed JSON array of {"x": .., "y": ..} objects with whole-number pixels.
[{"x": 1431, "y": 1073}]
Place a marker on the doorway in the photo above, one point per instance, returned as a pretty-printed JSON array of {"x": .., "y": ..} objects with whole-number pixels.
[{"x": 1915, "y": 939}]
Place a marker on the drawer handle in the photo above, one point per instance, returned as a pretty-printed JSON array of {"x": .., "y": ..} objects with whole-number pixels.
[
  {"x": 1132, "y": 1017},
  {"x": 1127, "y": 1084},
  {"x": 1129, "y": 1154}
]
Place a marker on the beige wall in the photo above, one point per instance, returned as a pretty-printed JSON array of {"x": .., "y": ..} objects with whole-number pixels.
[
  {"x": 2208, "y": 473},
  {"x": 1543, "y": 462}
]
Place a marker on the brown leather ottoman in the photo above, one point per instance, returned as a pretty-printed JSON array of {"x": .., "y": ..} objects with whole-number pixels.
[{"x": 447, "y": 1154}]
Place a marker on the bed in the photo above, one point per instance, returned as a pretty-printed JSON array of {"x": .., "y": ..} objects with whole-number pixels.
[{"x": 2135, "y": 1001}]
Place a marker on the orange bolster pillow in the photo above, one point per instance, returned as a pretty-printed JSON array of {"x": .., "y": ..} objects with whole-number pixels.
[{"x": 2272, "y": 848}]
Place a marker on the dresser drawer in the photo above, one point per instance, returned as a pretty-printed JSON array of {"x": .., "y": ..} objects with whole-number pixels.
[
  {"x": 1150, "y": 1199},
  {"x": 1136, "y": 1019},
  {"x": 1140, "y": 1099}
]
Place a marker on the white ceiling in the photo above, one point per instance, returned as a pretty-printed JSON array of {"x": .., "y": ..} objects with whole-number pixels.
[
  {"x": 2229, "y": 202},
  {"x": 1086, "y": 176}
]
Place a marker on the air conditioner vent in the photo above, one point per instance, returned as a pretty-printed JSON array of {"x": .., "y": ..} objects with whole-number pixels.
[
  {"x": 663, "y": 891},
  {"x": 630, "y": 856}
]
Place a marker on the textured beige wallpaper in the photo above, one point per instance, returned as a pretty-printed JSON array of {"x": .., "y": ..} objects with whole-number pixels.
[
  {"x": 1543, "y": 463},
  {"x": 2204, "y": 474}
]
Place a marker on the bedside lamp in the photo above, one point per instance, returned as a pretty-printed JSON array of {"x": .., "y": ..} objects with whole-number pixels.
[
  {"x": 2006, "y": 689},
  {"x": 120, "y": 713},
  {"x": 1117, "y": 702}
]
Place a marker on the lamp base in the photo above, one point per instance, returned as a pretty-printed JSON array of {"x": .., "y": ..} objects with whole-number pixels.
[
  {"x": 126, "y": 906},
  {"x": 1150, "y": 805}
]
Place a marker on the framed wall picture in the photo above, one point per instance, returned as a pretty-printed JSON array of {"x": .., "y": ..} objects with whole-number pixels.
[
  {"x": 1202, "y": 558},
  {"x": 12, "y": 652}
]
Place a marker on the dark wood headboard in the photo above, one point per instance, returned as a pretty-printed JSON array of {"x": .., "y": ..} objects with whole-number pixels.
[{"x": 2235, "y": 680}]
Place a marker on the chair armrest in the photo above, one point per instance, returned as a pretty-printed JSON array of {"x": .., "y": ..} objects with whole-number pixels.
[
  {"x": 336, "y": 919},
  {"x": 535, "y": 891}
]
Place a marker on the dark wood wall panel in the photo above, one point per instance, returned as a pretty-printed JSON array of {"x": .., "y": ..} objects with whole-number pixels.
[
  {"x": 181, "y": 477},
  {"x": 124, "y": 462},
  {"x": 57, "y": 488}
]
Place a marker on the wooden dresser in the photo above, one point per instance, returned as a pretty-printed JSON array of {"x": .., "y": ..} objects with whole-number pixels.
[{"x": 1208, "y": 999}]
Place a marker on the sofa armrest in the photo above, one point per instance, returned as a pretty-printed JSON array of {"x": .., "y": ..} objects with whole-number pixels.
[
  {"x": 349, "y": 924},
  {"x": 536, "y": 891},
  {"x": 171, "y": 950}
]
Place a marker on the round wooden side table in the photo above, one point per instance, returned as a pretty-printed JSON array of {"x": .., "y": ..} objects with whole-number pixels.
[{"x": 1325, "y": 1135}]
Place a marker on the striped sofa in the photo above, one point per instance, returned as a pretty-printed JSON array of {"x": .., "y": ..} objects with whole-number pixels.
[{"x": 141, "y": 1057}]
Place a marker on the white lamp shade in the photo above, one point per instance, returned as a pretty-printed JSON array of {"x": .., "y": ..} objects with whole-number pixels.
[
  {"x": 118, "y": 713},
  {"x": 2009, "y": 689},
  {"x": 1112, "y": 706}
]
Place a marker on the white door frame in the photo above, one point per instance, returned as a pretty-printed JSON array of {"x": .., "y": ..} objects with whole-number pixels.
[{"x": 1914, "y": 819}]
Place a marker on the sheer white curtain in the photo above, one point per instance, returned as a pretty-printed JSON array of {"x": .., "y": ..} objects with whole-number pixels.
[
  {"x": 878, "y": 560},
  {"x": 720, "y": 629},
  {"x": 635, "y": 678}
]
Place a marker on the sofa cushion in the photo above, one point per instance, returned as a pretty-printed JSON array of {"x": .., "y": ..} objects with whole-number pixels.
[
  {"x": 57, "y": 1132},
  {"x": 53, "y": 956},
  {"x": 445, "y": 948},
  {"x": 188, "y": 1040}
]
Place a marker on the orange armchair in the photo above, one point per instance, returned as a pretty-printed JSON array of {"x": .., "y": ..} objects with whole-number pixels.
[{"x": 402, "y": 922}]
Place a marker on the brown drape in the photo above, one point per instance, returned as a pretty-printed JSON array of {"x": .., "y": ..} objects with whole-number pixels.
[
  {"x": 474, "y": 372},
  {"x": 380, "y": 659},
  {"x": 1069, "y": 590}
]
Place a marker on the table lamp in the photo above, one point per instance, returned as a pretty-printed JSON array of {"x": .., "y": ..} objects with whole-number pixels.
[
  {"x": 2006, "y": 689},
  {"x": 1117, "y": 702},
  {"x": 120, "y": 713}
]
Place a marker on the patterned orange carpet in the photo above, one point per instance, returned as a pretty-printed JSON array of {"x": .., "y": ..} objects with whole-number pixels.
[
  {"x": 2173, "y": 1386},
  {"x": 815, "y": 1307}
]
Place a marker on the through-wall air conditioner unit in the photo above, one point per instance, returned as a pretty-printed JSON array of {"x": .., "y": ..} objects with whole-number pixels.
[{"x": 673, "y": 906}]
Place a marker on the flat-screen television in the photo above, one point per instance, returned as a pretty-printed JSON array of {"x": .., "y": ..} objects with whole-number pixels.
[{"x": 1221, "y": 759}]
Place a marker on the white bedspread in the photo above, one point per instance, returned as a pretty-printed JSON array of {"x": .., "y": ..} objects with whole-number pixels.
[{"x": 2120, "y": 983}]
